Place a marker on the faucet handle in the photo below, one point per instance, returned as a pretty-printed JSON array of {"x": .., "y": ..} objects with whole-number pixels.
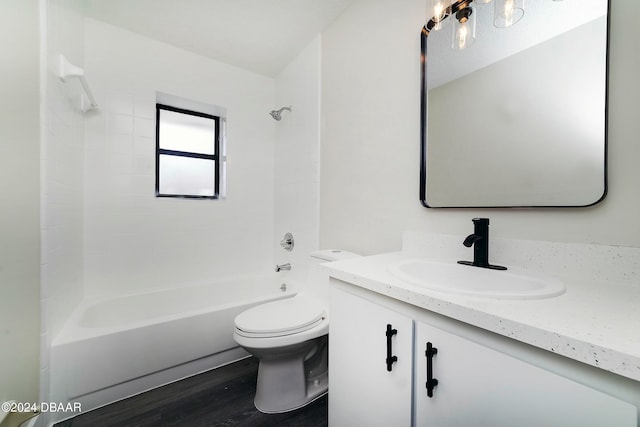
[{"x": 287, "y": 242}]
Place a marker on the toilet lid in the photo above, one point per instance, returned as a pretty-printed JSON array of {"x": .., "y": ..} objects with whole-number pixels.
[{"x": 283, "y": 316}]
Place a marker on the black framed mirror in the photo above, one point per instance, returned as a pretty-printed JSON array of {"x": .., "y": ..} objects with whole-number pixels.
[{"x": 519, "y": 117}]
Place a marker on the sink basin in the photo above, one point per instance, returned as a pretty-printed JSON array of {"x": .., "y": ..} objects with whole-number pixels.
[{"x": 454, "y": 278}]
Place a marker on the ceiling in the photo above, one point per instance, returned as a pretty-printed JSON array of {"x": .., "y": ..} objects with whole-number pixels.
[{"x": 262, "y": 36}]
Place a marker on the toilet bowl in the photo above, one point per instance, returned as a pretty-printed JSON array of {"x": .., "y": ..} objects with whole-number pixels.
[{"x": 289, "y": 338}]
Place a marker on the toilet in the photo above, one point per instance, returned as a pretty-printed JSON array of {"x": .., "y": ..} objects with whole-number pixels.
[{"x": 289, "y": 338}]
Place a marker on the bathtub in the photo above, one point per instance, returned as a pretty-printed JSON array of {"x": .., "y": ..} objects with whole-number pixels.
[{"x": 111, "y": 348}]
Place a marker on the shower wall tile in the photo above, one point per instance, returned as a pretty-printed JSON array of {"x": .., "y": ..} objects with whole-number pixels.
[
  {"x": 145, "y": 127},
  {"x": 95, "y": 133},
  {"x": 121, "y": 142},
  {"x": 145, "y": 108},
  {"x": 62, "y": 169},
  {"x": 296, "y": 159},
  {"x": 132, "y": 239},
  {"x": 120, "y": 124},
  {"x": 120, "y": 102}
]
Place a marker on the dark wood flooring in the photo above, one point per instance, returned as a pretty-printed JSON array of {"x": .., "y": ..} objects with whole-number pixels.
[{"x": 221, "y": 397}]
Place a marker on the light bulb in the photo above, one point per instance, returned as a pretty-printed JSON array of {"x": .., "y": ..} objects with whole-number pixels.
[
  {"x": 437, "y": 11},
  {"x": 464, "y": 29},
  {"x": 462, "y": 37},
  {"x": 507, "y": 12}
]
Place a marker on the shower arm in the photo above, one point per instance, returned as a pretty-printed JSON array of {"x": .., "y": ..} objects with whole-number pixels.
[{"x": 67, "y": 70}]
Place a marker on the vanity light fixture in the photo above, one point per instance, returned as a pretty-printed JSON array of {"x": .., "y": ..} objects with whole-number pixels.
[
  {"x": 506, "y": 13},
  {"x": 464, "y": 28}
]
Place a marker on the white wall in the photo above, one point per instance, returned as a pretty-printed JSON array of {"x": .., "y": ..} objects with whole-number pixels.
[
  {"x": 134, "y": 240},
  {"x": 297, "y": 156},
  {"x": 370, "y": 140},
  {"x": 19, "y": 191}
]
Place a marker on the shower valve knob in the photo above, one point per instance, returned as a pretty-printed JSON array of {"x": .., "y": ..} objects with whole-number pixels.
[{"x": 287, "y": 242}]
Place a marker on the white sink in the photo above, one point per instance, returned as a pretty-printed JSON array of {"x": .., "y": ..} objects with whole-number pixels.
[{"x": 454, "y": 278}]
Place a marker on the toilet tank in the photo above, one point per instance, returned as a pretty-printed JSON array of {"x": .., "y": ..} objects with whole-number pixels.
[
  {"x": 327, "y": 255},
  {"x": 317, "y": 283}
]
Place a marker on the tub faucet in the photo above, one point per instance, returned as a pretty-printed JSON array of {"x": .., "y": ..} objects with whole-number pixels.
[
  {"x": 480, "y": 242},
  {"x": 280, "y": 267}
]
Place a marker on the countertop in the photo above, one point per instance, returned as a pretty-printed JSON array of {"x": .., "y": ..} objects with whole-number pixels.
[{"x": 592, "y": 322}]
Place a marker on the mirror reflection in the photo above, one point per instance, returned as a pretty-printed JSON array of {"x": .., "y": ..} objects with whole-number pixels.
[{"x": 515, "y": 116}]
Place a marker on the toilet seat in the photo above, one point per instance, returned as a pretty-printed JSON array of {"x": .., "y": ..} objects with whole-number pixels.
[{"x": 279, "y": 318}]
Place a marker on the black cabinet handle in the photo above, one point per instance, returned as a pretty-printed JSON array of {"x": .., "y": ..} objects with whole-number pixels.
[
  {"x": 390, "y": 358},
  {"x": 431, "y": 382}
]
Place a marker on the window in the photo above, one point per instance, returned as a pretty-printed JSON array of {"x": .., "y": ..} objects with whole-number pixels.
[{"x": 189, "y": 151}]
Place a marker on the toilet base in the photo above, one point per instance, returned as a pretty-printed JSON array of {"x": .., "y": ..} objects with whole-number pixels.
[{"x": 294, "y": 377}]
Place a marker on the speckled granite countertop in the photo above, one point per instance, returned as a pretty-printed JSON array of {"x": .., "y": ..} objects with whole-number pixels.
[{"x": 592, "y": 322}]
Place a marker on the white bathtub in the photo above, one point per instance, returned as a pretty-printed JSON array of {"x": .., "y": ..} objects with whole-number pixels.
[{"x": 114, "y": 347}]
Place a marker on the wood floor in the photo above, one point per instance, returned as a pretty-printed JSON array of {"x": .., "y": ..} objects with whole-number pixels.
[{"x": 222, "y": 397}]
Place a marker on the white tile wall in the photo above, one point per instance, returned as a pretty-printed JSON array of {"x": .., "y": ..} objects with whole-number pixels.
[
  {"x": 296, "y": 158},
  {"x": 134, "y": 240},
  {"x": 62, "y": 169}
]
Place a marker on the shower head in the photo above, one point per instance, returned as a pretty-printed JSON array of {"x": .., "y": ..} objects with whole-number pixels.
[{"x": 277, "y": 114}]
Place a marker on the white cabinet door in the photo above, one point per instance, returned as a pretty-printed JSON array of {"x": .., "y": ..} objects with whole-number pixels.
[
  {"x": 362, "y": 392},
  {"x": 481, "y": 387}
]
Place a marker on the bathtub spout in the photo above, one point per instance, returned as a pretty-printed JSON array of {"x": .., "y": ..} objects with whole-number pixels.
[{"x": 280, "y": 267}]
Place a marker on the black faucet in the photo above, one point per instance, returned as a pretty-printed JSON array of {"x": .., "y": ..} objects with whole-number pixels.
[{"x": 480, "y": 241}]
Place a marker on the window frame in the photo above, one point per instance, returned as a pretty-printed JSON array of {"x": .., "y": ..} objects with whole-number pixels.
[{"x": 217, "y": 157}]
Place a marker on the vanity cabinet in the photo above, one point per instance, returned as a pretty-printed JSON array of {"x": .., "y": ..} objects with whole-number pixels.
[
  {"x": 481, "y": 387},
  {"x": 367, "y": 391},
  {"x": 476, "y": 379}
]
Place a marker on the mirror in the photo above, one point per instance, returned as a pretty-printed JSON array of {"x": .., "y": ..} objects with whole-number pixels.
[{"x": 518, "y": 118}]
